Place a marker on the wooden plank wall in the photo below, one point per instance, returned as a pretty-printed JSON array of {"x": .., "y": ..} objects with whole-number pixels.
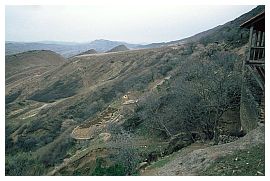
[{"x": 256, "y": 46}]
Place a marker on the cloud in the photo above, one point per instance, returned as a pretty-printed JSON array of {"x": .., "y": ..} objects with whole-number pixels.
[{"x": 125, "y": 23}]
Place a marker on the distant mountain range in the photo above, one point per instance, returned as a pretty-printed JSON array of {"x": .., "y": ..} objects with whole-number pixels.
[
  {"x": 69, "y": 49},
  {"x": 72, "y": 117},
  {"x": 66, "y": 49},
  {"x": 91, "y": 51}
]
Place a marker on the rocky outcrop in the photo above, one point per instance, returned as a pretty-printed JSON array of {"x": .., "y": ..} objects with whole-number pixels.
[{"x": 142, "y": 165}]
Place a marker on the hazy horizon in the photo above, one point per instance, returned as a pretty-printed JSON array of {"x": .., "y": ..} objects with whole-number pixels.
[
  {"x": 118, "y": 23},
  {"x": 67, "y": 42}
]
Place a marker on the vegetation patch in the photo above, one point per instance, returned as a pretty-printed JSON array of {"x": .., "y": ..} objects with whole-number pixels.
[
  {"x": 248, "y": 162},
  {"x": 13, "y": 96},
  {"x": 59, "y": 89},
  {"x": 114, "y": 170}
]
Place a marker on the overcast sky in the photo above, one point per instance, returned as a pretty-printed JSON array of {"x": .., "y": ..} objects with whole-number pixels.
[{"x": 135, "y": 24}]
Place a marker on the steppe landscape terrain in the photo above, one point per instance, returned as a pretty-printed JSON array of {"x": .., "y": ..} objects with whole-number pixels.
[{"x": 114, "y": 108}]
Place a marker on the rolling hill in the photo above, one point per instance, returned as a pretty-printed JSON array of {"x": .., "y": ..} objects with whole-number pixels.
[
  {"x": 66, "y": 49},
  {"x": 118, "y": 48},
  {"x": 115, "y": 113},
  {"x": 29, "y": 62},
  {"x": 29, "y": 65},
  {"x": 91, "y": 51}
]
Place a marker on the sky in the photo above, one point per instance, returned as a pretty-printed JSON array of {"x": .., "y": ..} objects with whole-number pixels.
[{"x": 134, "y": 24}]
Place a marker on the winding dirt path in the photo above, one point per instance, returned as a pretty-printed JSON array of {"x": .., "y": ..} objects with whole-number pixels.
[{"x": 89, "y": 129}]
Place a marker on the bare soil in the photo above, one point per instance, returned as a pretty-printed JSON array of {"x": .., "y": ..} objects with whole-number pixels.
[{"x": 195, "y": 160}]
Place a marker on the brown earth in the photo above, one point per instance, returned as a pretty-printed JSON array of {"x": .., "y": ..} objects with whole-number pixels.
[{"x": 193, "y": 160}]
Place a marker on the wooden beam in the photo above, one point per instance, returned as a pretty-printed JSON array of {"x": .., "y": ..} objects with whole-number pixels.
[
  {"x": 261, "y": 72},
  {"x": 254, "y": 45},
  {"x": 250, "y": 42},
  {"x": 257, "y": 47},
  {"x": 259, "y": 61},
  {"x": 259, "y": 44},
  {"x": 262, "y": 43},
  {"x": 261, "y": 84},
  {"x": 254, "y": 62}
]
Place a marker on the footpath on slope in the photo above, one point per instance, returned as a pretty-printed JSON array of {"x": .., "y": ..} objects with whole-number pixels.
[
  {"x": 89, "y": 129},
  {"x": 192, "y": 162}
]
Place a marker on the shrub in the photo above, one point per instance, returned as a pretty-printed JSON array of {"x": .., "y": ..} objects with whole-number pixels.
[
  {"x": 59, "y": 89},
  {"x": 114, "y": 170},
  {"x": 12, "y": 96},
  {"x": 23, "y": 164}
]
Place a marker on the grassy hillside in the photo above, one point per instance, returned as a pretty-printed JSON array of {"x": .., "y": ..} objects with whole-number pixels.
[
  {"x": 28, "y": 66},
  {"x": 104, "y": 114},
  {"x": 21, "y": 62},
  {"x": 79, "y": 90}
]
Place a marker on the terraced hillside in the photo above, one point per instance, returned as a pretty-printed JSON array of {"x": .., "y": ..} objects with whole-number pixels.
[{"x": 115, "y": 113}]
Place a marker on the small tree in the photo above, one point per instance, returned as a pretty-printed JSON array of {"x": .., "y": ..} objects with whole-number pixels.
[
  {"x": 211, "y": 87},
  {"x": 154, "y": 113},
  {"x": 127, "y": 154}
]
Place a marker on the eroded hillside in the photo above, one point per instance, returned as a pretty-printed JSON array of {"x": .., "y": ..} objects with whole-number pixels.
[
  {"x": 53, "y": 112},
  {"x": 115, "y": 113}
]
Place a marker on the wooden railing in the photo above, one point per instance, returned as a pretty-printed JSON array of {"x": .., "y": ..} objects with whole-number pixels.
[
  {"x": 256, "y": 57},
  {"x": 256, "y": 47}
]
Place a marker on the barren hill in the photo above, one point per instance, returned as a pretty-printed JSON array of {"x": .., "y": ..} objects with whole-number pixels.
[
  {"x": 66, "y": 49},
  {"x": 30, "y": 64},
  {"x": 91, "y": 51},
  {"x": 113, "y": 113},
  {"x": 118, "y": 48}
]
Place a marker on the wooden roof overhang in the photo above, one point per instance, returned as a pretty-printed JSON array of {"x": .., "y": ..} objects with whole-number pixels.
[{"x": 258, "y": 22}]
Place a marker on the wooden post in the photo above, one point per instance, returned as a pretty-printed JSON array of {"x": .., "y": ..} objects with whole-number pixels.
[
  {"x": 258, "y": 51},
  {"x": 262, "y": 44},
  {"x": 250, "y": 42},
  {"x": 254, "y": 45},
  {"x": 259, "y": 81}
]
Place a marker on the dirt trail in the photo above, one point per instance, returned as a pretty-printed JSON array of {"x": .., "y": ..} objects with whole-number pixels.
[
  {"x": 89, "y": 129},
  {"x": 158, "y": 82},
  {"x": 192, "y": 162}
]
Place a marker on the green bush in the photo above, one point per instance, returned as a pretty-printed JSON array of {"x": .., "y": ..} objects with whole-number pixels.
[
  {"x": 132, "y": 123},
  {"x": 59, "y": 89},
  {"x": 114, "y": 170},
  {"x": 23, "y": 164},
  {"x": 57, "y": 152},
  {"x": 13, "y": 96}
]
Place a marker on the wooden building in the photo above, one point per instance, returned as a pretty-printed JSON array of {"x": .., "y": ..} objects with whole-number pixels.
[
  {"x": 253, "y": 80},
  {"x": 256, "y": 55}
]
